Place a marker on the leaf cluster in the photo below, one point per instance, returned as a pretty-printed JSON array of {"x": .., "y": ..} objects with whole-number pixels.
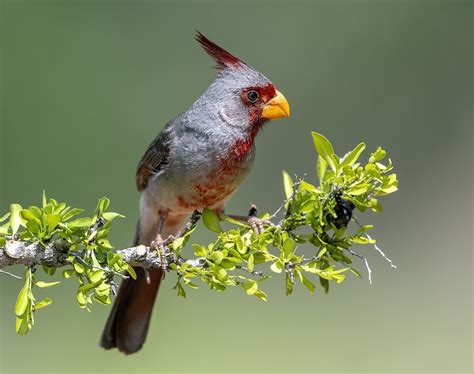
[{"x": 312, "y": 242}]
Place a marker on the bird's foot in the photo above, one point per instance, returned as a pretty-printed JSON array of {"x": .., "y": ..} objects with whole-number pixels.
[
  {"x": 159, "y": 245},
  {"x": 256, "y": 223}
]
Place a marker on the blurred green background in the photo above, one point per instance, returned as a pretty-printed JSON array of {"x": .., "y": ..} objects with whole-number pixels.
[{"x": 87, "y": 85}]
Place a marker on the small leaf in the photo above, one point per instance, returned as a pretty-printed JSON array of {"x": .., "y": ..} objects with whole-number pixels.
[
  {"x": 22, "y": 300},
  {"x": 288, "y": 246},
  {"x": 211, "y": 220},
  {"x": 43, "y": 303},
  {"x": 321, "y": 168},
  {"x": 362, "y": 240},
  {"x": 44, "y": 199},
  {"x": 180, "y": 288},
  {"x": 250, "y": 263},
  {"x": 309, "y": 285},
  {"x": 352, "y": 156},
  {"x": 276, "y": 267},
  {"x": 73, "y": 212},
  {"x": 378, "y": 155},
  {"x": 79, "y": 268},
  {"x": 81, "y": 222},
  {"x": 289, "y": 285},
  {"x": 22, "y": 325},
  {"x": 109, "y": 216},
  {"x": 131, "y": 271},
  {"x": 217, "y": 257},
  {"x": 42, "y": 284},
  {"x": 324, "y": 148},
  {"x": 15, "y": 218},
  {"x": 304, "y": 186},
  {"x": 5, "y": 217},
  {"x": 51, "y": 220},
  {"x": 67, "y": 273},
  {"x": 103, "y": 204},
  {"x": 251, "y": 288},
  {"x": 287, "y": 184}
]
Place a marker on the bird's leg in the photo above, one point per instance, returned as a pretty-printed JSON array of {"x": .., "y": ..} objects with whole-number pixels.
[
  {"x": 251, "y": 219},
  {"x": 158, "y": 243}
]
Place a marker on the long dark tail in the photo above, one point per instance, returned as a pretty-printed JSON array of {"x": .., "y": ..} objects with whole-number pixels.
[{"x": 128, "y": 321}]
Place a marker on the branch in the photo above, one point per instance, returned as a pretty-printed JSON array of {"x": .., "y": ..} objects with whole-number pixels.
[{"x": 19, "y": 252}]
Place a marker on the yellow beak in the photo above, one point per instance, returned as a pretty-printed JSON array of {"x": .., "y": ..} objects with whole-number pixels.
[{"x": 277, "y": 107}]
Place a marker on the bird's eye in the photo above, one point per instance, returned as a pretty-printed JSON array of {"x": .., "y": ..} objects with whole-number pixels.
[{"x": 252, "y": 96}]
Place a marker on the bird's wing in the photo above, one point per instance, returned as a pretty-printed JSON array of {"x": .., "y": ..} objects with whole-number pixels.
[{"x": 155, "y": 159}]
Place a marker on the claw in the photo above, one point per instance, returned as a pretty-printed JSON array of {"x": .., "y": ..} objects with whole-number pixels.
[
  {"x": 257, "y": 224},
  {"x": 158, "y": 244}
]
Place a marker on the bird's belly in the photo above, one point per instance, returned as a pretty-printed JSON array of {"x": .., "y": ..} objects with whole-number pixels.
[{"x": 183, "y": 190}]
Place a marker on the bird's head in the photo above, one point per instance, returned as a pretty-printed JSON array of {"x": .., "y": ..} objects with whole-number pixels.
[{"x": 242, "y": 96}]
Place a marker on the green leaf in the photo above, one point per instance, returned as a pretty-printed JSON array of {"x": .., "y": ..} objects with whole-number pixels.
[
  {"x": 289, "y": 285},
  {"x": 324, "y": 284},
  {"x": 44, "y": 199},
  {"x": 180, "y": 288},
  {"x": 109, "y": 216},
  {"x": 22, "y": 325},
  {"x": 15, "y": 218},
  {"x": 22, "y": 300},
  {"x": 250, "y": 262},
  {"x": 67, "y": 273},
  {"x": 353, "y": 155},
  {"x": 261, "y": 295},
  {"x": 73, "y": 212},
  {"x": 51, "y": 220},
  {"x": 3, "y": 241},
  {"x": 362, "y": 240},
  {"x": 42, "y": 284},
  {"x": 276, "y": 267},
  {"x": 211, "y": 220},
  {"x": 378, "y": 155},
  {"x": 305, "y": 186},
  {"x": 81, "y": 222},
  {"x": 217, "y": 257},
  {"x": 5, "y": 217},
  {"x": 131, "y": 271},
  {"x": 251, "y": 288},
  {"x": 309, "y": 285},
  {"x": 358, "y": 189},
  {"x": 287, "y": 184},
  {"x": 324, "y": 148},
  {"x": 79, "y": 268},
  {"x": 103, "y": 204},
  {"x": 43, "y": 303},
  {"x": 221, "y": 274},
  {"x": 288, "y": 246},
  {"x": 321, "y": 168}
]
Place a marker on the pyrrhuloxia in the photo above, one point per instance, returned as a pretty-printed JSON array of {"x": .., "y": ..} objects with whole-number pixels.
[{"x": 197, "y": 161}]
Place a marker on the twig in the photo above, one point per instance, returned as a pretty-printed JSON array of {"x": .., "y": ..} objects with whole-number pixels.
[
  {"x": 393, "y": 266},
  {"x": 369, "y": 271},
  {"x": 254, "y": 272},
  {"x": 10, "y": 274}
]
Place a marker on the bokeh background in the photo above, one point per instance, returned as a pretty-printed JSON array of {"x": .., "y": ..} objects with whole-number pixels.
[{"x": 85, "y": 87}]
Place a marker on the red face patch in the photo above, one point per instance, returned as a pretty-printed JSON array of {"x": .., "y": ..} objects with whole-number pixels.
[{"x": 256, "y": 96}]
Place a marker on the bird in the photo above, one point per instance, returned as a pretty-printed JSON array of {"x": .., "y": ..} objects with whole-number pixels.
[{"x": 197, "y": 161}]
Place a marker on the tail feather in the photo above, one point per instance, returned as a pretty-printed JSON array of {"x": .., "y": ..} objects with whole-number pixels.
[
  {"x": 129, "y": 319},
  {"x": 128, "y": 322}
]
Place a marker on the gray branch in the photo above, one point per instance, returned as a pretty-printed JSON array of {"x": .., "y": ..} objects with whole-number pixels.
[{"x": 55, "y": 254}]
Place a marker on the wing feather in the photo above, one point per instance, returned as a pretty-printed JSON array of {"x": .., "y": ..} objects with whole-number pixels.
[{"x": 155, "y": 159}]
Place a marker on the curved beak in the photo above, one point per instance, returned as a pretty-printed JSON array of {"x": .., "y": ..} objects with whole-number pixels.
[{"x": 277, "y": 107}]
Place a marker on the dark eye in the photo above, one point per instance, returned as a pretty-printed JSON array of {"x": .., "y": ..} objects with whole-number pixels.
[{"x": 252, "y": 96}]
